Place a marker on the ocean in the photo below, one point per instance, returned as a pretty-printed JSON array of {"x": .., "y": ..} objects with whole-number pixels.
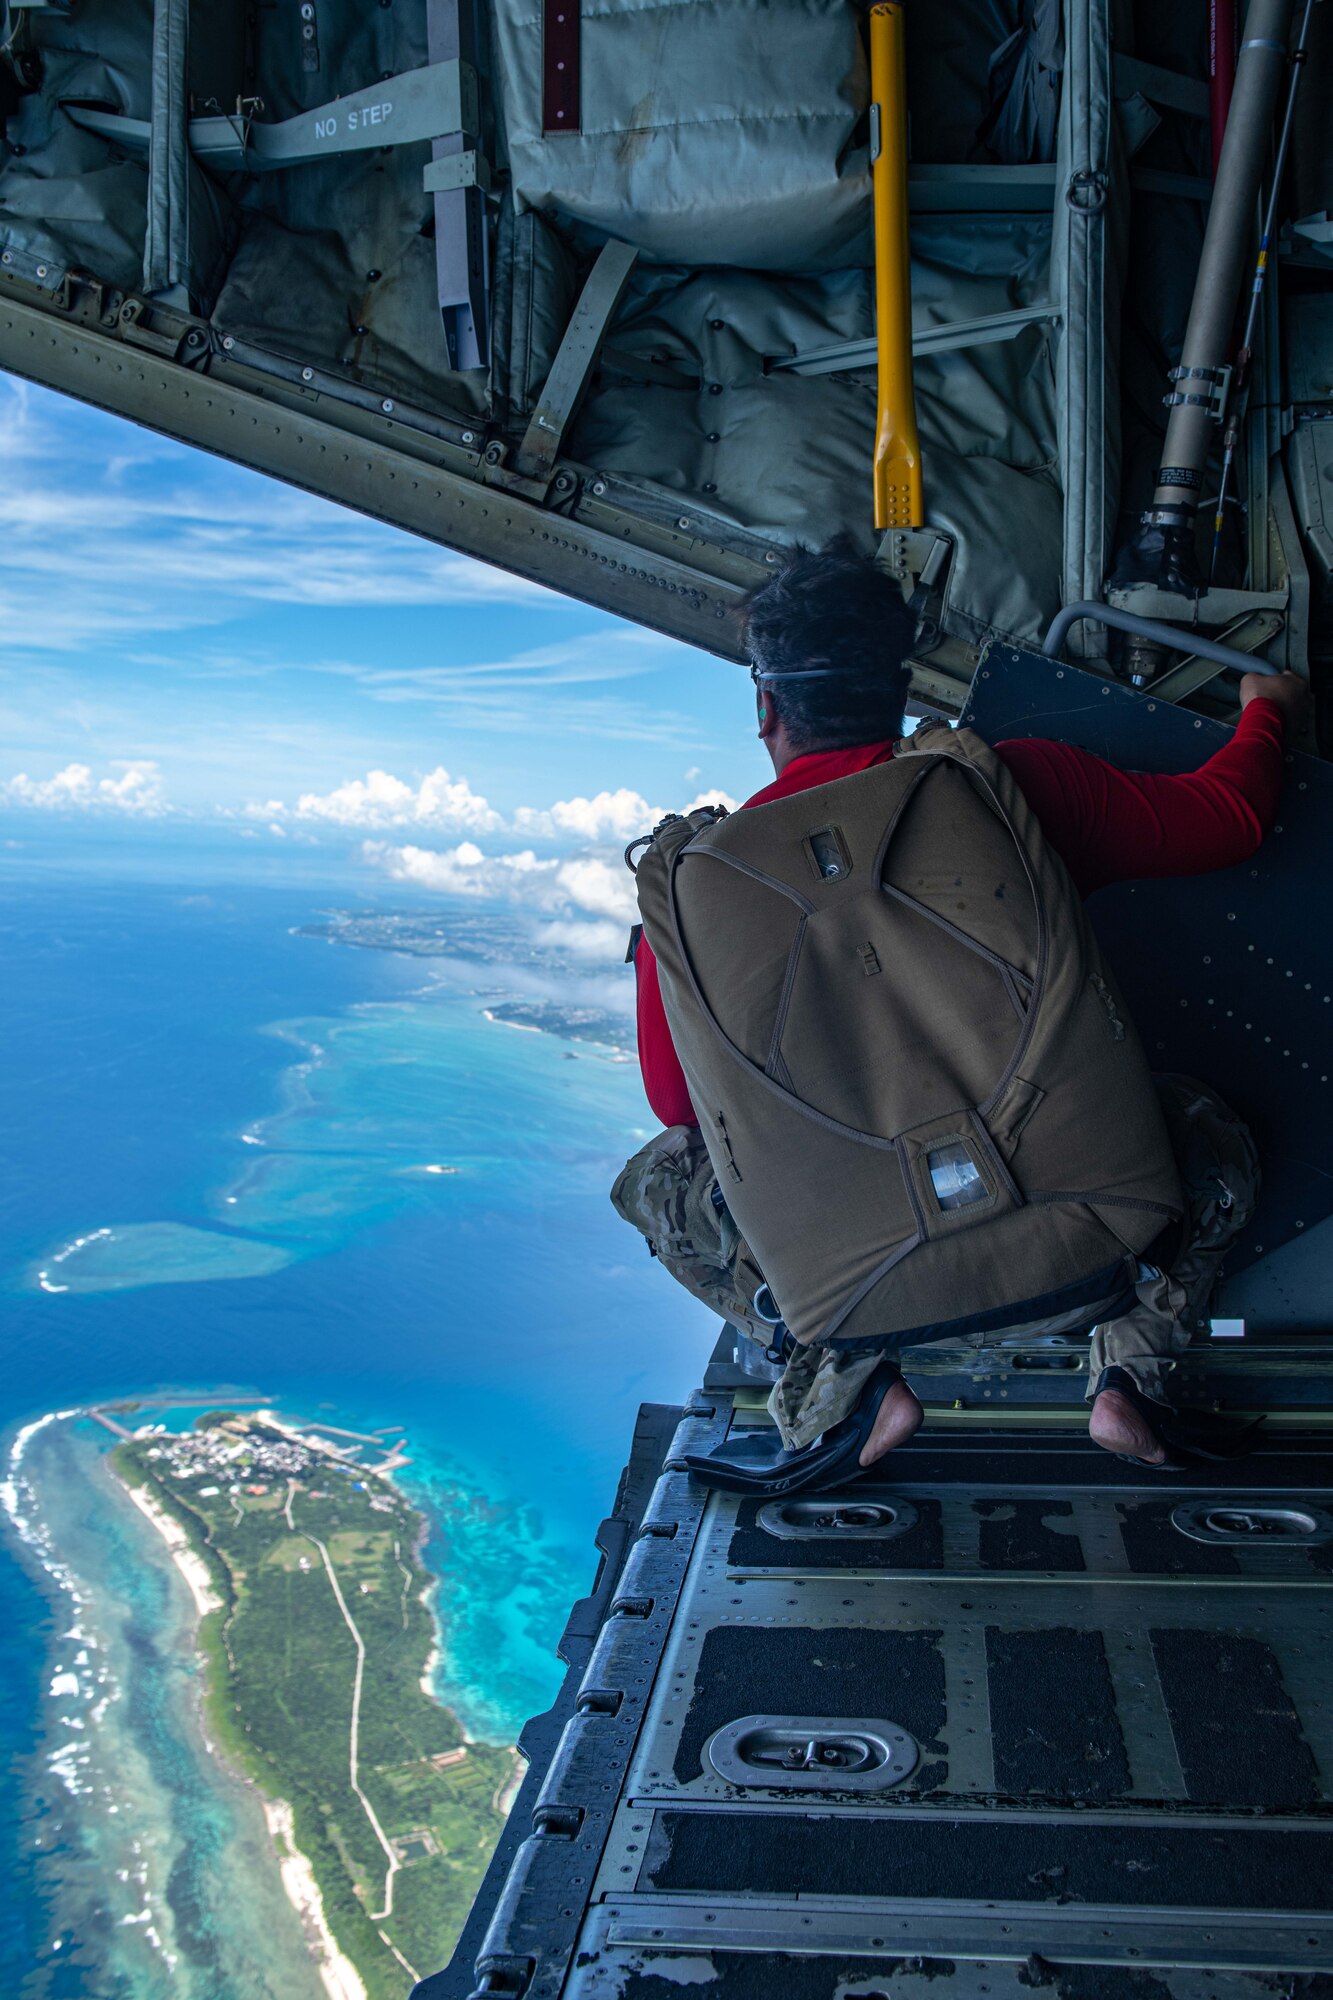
[{"x": 217, "y": 1174}]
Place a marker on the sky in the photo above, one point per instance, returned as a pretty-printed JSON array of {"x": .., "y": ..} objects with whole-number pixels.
[{"x": 193, "y": 650}]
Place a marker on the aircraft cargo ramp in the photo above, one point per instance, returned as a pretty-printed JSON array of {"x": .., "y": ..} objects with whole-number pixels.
[{"x": 1023, "y": 1717}]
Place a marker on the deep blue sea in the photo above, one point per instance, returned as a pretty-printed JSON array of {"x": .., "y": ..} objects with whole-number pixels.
[{"x": 250, "y": 1114}]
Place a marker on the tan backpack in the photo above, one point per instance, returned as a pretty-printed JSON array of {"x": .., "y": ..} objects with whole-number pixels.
[{"x": 917, "y": 1081}]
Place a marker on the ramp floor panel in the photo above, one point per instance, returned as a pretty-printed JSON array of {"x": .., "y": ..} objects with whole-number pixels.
[
  {"x": 1097, "y": 1707},
  {"x": 1079, "y": 1686},
  {"x": 647, "y": 1969},
  {"x": 1029, "y": 1860},
  {"x": 1010, "y": 1461},
  {"x": 1046, "y": 1534}
]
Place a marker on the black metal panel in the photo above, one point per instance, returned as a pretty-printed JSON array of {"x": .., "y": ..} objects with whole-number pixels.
[
  {"x": 999, "y": 1860},
  {"x": 653, "y": 1432},
  {"x": 1237, "y": 1732},
  {"x": 1230, "y": 976},
  {"x": 1282, "y": 1460},
  {"x": 561, "y": 65},
  {"x": 1054, "y": 1729},
  {"x": 799, "y": 1670}
]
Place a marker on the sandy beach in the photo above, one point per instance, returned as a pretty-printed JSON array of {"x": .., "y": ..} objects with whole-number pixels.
[
  {"x": 341, "y": 1979},
  {"x": 192, "y": 1567}
]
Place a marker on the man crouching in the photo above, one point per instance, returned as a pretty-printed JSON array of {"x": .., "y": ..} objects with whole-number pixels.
[{"x": 904, "y": 1096}]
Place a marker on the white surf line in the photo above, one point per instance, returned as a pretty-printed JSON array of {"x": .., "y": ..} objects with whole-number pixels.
[{"x": 376, "y": 1916}]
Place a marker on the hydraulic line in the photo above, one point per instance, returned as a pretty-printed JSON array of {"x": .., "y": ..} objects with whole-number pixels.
[
  {"x": 1196, "y": 382},
  {"x": 1240, "y": 386},
  {"x": 898, "y": 495}
]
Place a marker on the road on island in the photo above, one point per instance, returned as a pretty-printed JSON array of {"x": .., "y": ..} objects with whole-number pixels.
[{"x": 376, "y": 1916}]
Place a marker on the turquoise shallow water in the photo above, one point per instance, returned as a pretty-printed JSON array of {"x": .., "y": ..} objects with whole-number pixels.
[
  {"x": 250, "y": 1114},
  {"x": 145, "y": 1847}
]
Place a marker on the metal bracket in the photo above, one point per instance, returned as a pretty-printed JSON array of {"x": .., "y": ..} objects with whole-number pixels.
[
  {"x": 568, "y": 380},
  {"x": 1255, "y": 629},
  {"x": 950, "y": 189},
  {"x": 1292, "y": 557},
  {"x": 457, "y": 170},
  {"x": 1212, "y": 396},
  {"x": 843, "y": 356},
  {"x": 909, "y": 552},
  {"x": 133, "y": 326},
  {"x": 1216, "y": 606},
  {"x": 1160, "y": 86},
  {"x": 309, "y": 38},
  {"x": 462, "y": 243},
  {"x": 425, "y": 103}
]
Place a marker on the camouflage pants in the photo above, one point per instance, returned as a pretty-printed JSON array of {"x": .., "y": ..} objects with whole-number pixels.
[
  {"x": 666, "y": 1191},
  {"x": 1219, "y": 1171}
]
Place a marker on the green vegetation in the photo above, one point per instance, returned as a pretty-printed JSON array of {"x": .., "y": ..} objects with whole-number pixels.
[{"x": 279, "y": 1521}]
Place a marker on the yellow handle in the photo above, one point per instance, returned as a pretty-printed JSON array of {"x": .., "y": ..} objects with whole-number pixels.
[{"x": 898, "y": 496}]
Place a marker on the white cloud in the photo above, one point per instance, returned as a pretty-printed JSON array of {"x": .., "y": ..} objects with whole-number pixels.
[
  {"x": 137, "y": 789},
  {"x": 547, "y": 887},
  {"x": 609, "y": 816},
  {"x": 604, "y": 940},
  {"x": 585, "y": 899},
  {"x": 449, "y": 805},
  {"x": 465, "y": 871},
  {"x": 379, "y": 799},
  {"x": 604, "y": 888},
  {"x": 621, "y": 816},
  {"x": 723, "y": 799},
  {"x": 72, "y": 787}
]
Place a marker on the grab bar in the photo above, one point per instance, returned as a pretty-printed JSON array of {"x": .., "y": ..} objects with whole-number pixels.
[{"x": 1175, "y": 636}]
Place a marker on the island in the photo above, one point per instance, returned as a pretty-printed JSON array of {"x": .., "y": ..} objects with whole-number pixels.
[
  {"x": 318, "y": 1641},
  {"x": 504, "y": 946}
]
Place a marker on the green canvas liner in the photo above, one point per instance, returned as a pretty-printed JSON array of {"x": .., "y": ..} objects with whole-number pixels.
[{"x": 728, "y": 144}]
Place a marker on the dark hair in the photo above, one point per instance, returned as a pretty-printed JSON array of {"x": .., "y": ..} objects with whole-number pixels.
[{"x": 833, "y": 615}]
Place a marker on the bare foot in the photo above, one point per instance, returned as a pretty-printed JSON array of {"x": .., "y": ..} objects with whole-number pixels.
[
  {"x": 1117, "y": 1426},
  {"x": 899, "y": 1415}
]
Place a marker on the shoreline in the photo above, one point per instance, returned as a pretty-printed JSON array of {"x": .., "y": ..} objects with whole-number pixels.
[
  {"x": 337, "y": 1973},
  {"x": 340, "y": 1977},
  {"x": 191, "y": 1566},
  {"x": 87, "y": 1675},
  {"x": 297, "y": 1878}
]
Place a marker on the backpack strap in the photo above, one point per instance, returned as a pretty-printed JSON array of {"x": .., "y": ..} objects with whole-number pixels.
[{"x": 675, "y": 831}]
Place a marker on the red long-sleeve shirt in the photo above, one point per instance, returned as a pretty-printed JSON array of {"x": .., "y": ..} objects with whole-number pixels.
[{"x": 1106, "y": 825}]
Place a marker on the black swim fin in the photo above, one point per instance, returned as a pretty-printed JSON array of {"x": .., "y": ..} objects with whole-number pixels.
[{"x": 750, "y": 1464}]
